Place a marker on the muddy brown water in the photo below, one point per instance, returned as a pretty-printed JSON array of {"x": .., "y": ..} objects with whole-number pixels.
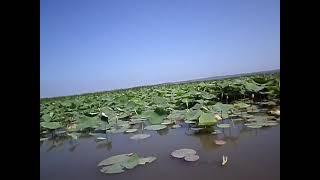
[{"x": 252, "y": 154}]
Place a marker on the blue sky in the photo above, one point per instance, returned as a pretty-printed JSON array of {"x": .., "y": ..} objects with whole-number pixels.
[{"x": 95, "y": 45}]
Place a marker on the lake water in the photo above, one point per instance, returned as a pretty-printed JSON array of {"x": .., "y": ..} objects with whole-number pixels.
[{"x": 252, "y": 154}]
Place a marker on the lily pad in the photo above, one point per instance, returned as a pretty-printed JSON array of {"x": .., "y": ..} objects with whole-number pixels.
[
  {"x": 147, "y": 160},
  {"x": 223, "y": 125},
  {"x": 191, "y": 157},
  {"x": 131, "y": 130},
  {"x": 166, "y": 122},
  {"x": 51, "y": 125},
  {"x": 176, "y": 126},
  {"x": 196, "y": 128},
  {"x": 101, "y": 138},
  {"x": 43, "y": 139},
  {"x": 113, "y": 169},
  {"x": 155, "y": 127},
  {"x": 190, "y": 122},
  {"x": 115, "y": 159},
  {"x": 216, "y": 132},
  {"x": 254, "y": 126},
  {"x": 269, "y": 123},
  {"x": 181, "y": 153},
  {"x": 132, "y": 162},
  {"x": 140, "y": 136}
]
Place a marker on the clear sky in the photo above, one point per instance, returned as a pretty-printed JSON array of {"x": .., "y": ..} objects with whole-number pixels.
[{"x": 95, "y": 45}]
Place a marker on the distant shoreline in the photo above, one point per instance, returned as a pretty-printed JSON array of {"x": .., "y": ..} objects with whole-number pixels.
[{"x": 276, "y": 71}]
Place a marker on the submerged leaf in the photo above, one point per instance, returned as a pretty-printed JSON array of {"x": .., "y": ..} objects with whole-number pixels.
[{"x": 140, "y": 136}]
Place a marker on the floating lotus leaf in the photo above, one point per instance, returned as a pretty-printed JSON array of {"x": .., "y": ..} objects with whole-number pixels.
[
  {"x": 115, "y": 159},
  {"x": 190, "y": 122},
  {"x": 51, "y": 125},
  {"x": 176, "y": 126},
  {"x": 87, "y": 122},
  {"x": 43, "y": 139},
  {"x": 181, "y": 153},
  {"x": 113, "y": 169},
  {"x": 270, "y": 123},
  {"x": 101, "y": 138},
  {"x": 220, "y": 142},
  {"x": 166, "y": 122},
  {"x": 254, "y": 126},
  {"x": 147, "y": 160},
  {"x": 140, "y": 136},
  {"x": 191, "y": 157},
  {"x": 196, "y": 128},
  {"x": 216, "y": 132},
  {"x": 223, "y": 125},
  {"x": 155, "y": 127},
  {"x": 131, "y": 130},
  {"x": 132, "y": 162},
  {"x": 207, "y": 119}
]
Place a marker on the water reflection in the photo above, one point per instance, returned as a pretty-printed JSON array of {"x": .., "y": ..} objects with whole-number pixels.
[
  {"x": 73, "y": 144},
  {"x": 104, "y": 144},
  {"x": 206, "y": 142},
  {"x": 164, "y": 131}
]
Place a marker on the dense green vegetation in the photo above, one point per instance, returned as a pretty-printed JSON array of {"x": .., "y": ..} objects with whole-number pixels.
[{"x": 200, "y": 103}]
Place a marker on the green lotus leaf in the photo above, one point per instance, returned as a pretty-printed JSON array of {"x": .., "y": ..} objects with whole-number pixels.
[
  {"x": 51, "y": 125},
  {"x": 207, "y": 119},
  {"x": 155, "y": 127}
]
